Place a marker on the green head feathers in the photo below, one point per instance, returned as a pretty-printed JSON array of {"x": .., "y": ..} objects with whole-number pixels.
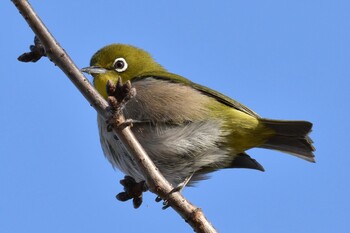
[{"x": 120, "y": 60}]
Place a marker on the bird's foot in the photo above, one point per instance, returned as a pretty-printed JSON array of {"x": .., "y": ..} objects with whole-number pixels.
[
  {"x": 132, "y": 190},
  {"x": 178, "y": 188},
  {"x": 118, "y": 95}
]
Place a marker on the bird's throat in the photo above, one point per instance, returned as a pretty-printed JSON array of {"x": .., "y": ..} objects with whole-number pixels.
[{"x": 100, "y": 83}]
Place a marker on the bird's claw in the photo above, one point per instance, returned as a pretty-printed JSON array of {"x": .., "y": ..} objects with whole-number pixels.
[
  {"x": 114, "y": 121},
  {"x": 132, "y": 190},
  {"x": 178, "y": 188}
]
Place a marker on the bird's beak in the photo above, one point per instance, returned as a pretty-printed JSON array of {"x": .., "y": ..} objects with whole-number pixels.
[{"x": 93, "y": 70}]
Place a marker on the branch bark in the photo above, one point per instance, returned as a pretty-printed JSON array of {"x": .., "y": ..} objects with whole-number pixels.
[{"x": 155, "y": 181}]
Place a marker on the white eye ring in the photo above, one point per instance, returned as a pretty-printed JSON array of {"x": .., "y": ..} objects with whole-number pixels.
[{"x": 120, "y": 64}]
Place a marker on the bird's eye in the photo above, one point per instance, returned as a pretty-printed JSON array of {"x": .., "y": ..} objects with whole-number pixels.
[{"x": 120, "y": 64}]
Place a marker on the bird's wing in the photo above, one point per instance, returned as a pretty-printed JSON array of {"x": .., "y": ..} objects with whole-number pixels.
[
  {"x": 224, "y": 99},
  {"x": 205, "y": 90}
]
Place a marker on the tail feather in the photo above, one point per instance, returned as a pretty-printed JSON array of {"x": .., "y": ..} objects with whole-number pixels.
[{"x": 291, "y": 137}]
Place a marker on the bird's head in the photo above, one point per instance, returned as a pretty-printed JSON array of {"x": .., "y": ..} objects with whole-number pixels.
[{"x": 120, "y": 60}]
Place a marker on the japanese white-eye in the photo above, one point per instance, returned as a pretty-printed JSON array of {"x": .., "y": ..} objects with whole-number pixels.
[{"x": 186, "y": 129}]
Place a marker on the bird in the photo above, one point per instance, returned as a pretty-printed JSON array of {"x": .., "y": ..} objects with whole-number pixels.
[{"x": 188, "y": 130}]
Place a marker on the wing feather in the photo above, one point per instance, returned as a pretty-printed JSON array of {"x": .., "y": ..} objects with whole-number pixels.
[{"x": 163, "y": 75}]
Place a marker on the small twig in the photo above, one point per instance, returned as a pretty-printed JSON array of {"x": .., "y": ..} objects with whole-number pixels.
[
  {"x": 37, "y": 51},
  {"x": 155, "y": 181},
  {"x": 132, "y": 190}
]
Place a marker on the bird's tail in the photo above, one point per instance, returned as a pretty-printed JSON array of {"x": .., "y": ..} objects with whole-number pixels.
[{"x": 291, "y": 137}]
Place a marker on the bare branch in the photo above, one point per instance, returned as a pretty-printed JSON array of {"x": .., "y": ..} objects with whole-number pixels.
[{"x": 155, "y": 181}]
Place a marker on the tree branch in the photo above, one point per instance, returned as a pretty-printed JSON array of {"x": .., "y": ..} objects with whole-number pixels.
[{"x": 155, "y": 181}]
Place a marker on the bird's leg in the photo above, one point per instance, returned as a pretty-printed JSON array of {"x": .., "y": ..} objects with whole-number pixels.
[
  {"x": 178, "y": 188},
  {"x": 132, "y": 190},
  {"x": 118, "y": 95}
]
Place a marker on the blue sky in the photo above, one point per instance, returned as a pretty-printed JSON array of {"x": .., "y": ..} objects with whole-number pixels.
[{"x": 283, "y": 59}]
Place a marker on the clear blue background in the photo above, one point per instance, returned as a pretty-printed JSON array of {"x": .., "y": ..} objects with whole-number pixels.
[{"x": 284, "y": 59}]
